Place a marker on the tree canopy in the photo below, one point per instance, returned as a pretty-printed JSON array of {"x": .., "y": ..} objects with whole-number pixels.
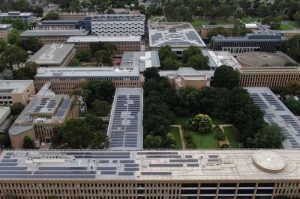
[
  {"x": 168, "y": 58},
  {"x": 27, "y": 72},
  {"x": 226, "y": 76},
  {"x": 293, "y": 47},
  {"x": 51, "y": 16},
  {"x": 28, "y": 143}
]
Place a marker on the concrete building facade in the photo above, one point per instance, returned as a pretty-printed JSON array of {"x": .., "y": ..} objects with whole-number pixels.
[
  {"x": 16, "y": 91},
  {"x": 123, "y": 44},
  {"x": 43, "y": 113},
  {"x": 118, "y": 25},
  {"x": 68, "y": 80},
  {"x": 205, "y": 174},
  {"x": 57, "y": 25},
  {"x": 26, "y": 17},
  {"x": 53, "y": 36},
  {"x": 265, "y": 41}
]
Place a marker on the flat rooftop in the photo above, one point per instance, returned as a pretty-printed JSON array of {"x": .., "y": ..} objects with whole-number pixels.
[
  {"x": 117, "y": 17},
  {"x": 90, "y": 39},
  {"x": 52, "y": 54},
  {"x": 276, "y": 112},
  {"x": 125, "y": 130},
  {"x": 257, "y": 36},
  {"x": 44, "y": 108},
  {"x": 6, "y": 26},
  {"x": 45, "y": 33},
  {"x": 264, "y": 59},
  {"x": 13, "y": 86},
  {"x": 219, "y": 58},
  {"x": 143, "y": 60},
  {"x": 200, "y": 165},
  {"x": 175, "y": 34},
  {"x": 187, "y": 72},
  {"x": 15, "y": 13},
  {"x": 85, "y": 72}
]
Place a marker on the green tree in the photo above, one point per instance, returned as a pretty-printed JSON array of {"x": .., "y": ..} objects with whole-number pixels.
[
  {"x": 268, "y": 137},
  {"x": 226, "y": 76},
  {"x": 103, "y": 57},
  {"x": 297, "y": 17},
  {"x": 98, "y": 90},
  {"x": 74, "y": 62},
  {"x": 84, "y": 55},
  {"x": 165, "y": 52},
  {"x": 169, "y": 63},
  {"x": 100, "y": 108},
  {"x": 201, "y": 123},
  {"x": 27, "y": 72},
  {"x": 151, "y": 73},
  {"x": 28, "y": 143},
  {"x": 75, "y": 132},
  {"x": 217, "y": 31},
  {"x": 30, "y": 44},
  {"x": 5, "y": 141},
  {"x": 198, "y": 62},
  {"x": 51, "y": 16},
  {"x": 94, "y": 122},
  {"x": 13, "y": 36},
  {"x": 273, "y": 22},
  {"x": 293, "y": 47},
  {"x": 190, "y": 52},
  {"x": 293, "y": 105},
  {"x": 152, "y": 142},
  {"x": 239, "y": 28},
  {"x": 14, "y": 55},
  {"x": 16, "y": 108}
]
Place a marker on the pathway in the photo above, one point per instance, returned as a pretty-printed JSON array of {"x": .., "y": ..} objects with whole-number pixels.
[{"x": 181, "y": 135}]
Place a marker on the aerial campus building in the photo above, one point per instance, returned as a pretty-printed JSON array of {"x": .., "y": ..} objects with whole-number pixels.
[
  {"x": 26, "y": 17},
  {"x": 123, "y": 44},
  {"x": 54, "y": 55},
  {"x": 53, "y": 36},
  {"x": 120, "y": 25},
  {"x": 197, "y": 174},
  {"x": 276, "y": 112},
  {"x": 68, "y": 80},
  {"x": 44, "y": 112},
  {"x": 57, "y": 25},
  {"x": 262, "y": 41},
  {"x": 178, "y": 35},
  {"x": 16, "y": 91},
  {"x": 125, "y": 130}
]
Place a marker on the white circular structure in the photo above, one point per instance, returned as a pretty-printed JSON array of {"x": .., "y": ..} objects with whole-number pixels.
[{"x": 268, "y": 161}]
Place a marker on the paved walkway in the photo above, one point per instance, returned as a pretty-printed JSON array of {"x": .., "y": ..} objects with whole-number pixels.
[
  {"x": 222, "y": 126},
  {"x": 181, "y": 135}
]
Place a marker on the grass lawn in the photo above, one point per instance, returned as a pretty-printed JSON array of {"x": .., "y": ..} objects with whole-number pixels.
[
  {"x": 289, "y": 25},
  {"x": 231, "y": 136},
  {"x": 175, "y": 132},
  {"x": 204, "y": 141}
]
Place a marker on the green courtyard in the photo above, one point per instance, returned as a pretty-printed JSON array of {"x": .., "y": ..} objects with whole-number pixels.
[{"x": 204, "y": 140}]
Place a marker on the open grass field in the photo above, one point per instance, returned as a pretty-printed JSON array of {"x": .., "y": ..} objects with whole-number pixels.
[
  {"x": 175, "y": 132},
  {"x": 231, "y": 136},
  {"x": 204, "y": 141}
]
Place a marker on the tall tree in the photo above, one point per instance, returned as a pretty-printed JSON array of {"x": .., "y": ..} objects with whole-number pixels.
[
  {"x": 293, "y": 47},
  {"x": 27, "y": 72},
  {"x": 226, "y": 76},
  {"x": 28, "y": 143},
  {"x": 14, "y": 55}
]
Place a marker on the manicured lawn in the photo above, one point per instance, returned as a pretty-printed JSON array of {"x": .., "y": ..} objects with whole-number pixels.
[
  {"x": 204, "y": 141},
  {"x": 289, "y": 25},
  {"x": 175, "y": 132},
  {"x": 231, "y": 136}
]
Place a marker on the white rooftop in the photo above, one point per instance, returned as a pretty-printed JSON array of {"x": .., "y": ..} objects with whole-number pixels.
[
  {"x": 174, "y": 34},
  {"x": 276, "y": 112},
  {"x": 43, "y": 72},
  {"x": 198, "y": 165},
  {"x": 14, "y": 86},
  {"x": 90, "y": 39},
  {"x": 219, "y": 58},
  {"x": 52, "y": 54}
]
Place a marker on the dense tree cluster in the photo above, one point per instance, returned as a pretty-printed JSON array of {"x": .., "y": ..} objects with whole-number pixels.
[
  {"x": 27, "y": 72},
  {"x": 226, "y": 76},
  {"x": 103, "y": 53},
  {"x": 98, "y": 96},
  {"x": 20, "y": 5},
  {"x": 293, "y": 47},
  {"x": 28, "y": 143},
  {"x": 158, "y": 102},
  {"x": 168, "y": 59},
  {"x": 193, "y": 57},
  {"x": 185, "y": 10},
  {"x": 81, "y": 133}
]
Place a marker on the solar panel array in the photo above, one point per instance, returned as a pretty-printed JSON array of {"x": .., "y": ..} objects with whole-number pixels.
[
  {"x": 125, "y": 125},
  {"x": 276, "y": 112}
]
